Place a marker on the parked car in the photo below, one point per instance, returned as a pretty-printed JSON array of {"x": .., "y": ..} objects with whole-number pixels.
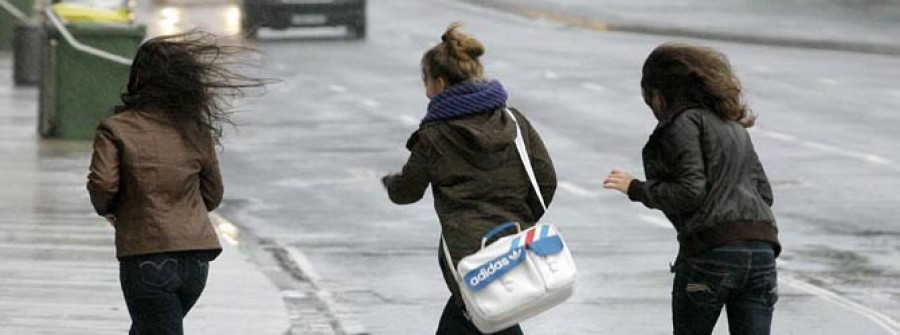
[{"x": 284, "y": 14}]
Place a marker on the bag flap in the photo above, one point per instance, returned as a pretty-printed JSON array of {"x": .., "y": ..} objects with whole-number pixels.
[{"x": 487, "y": 273}]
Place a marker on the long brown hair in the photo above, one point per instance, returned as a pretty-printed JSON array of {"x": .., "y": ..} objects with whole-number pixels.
[
  {"x": 455, "y": 59},
  {"x": 686, "y": 74},
  {"x": 192, "y": 78}
]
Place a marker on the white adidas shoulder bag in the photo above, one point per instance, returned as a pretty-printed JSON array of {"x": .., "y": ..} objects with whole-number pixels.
[{"x": 518, "y": 276}]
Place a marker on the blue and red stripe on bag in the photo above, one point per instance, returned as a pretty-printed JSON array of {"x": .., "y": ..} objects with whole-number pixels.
[{"x": 540, "y": 243}]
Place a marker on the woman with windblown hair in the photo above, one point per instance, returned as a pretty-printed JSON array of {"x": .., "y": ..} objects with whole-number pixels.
[
  {"x": 704, "y": 174},
  {"x": 465, "y": 149},
  {"x": 155, "y": 175}
]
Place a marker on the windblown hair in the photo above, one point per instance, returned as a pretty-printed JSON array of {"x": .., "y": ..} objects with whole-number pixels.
[
  {"x": 455, "y": 59},
  {"x": 192, "y": 78},
  {"x": 682, "y": 73}
]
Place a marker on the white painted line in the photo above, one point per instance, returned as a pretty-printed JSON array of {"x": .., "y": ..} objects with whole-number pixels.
[
  {"x": 340, "y": 314},
  {"x": 828, "y": 81},
  {"x": 594, "y": 86},
  {"x": 407, "y": 120},
  {"x": 304, "y": 265},
  {"x": 887, "y": 323},
  {"x": 551, "y": 75},
  {"x": 577, "y": 190},
  {"x": 337, "y": 88},
  {"x": 657, "y": 221},
  {"x": 226, "y": 229},
  {"x": 862, "y": 156},
  {"x": 371, "y": 103}
]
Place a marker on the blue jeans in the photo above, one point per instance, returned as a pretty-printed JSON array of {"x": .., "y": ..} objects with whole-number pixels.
[
  {"x": 160, "y": 289},
  {"x": 740, "y": 276}
]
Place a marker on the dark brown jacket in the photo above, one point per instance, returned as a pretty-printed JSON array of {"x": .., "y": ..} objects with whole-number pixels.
[
  {"x": 704, "y": 174},
  {"x": 476, "y": 177},
  {"x": 158, "y": 184}
]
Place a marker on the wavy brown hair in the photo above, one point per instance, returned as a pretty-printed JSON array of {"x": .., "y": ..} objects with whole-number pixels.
[
  {"x": 685, "y": 74},
  {"x": 455, "y": 59},
  {"x": 191, "y": 77}
]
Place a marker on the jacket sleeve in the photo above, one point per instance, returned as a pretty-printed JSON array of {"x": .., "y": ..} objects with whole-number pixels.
[
  {"x": 409, "y": 185},
  {"x": 103, "y": 179},
  {"x": 544, "y": 171},
  {"x": 211, "y": 187},
  {"x": 685, "y": 192},
  {"x": 762, "y": 181}
]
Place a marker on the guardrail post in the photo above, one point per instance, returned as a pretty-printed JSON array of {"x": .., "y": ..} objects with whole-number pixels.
[{"x": 12, "y": 12}]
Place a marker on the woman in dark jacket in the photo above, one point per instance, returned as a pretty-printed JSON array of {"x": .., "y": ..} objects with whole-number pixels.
[
  {"x": 155, "y": 175},
  {"x": 465, "y": 149},
  {"x": 703, "y": 173}
]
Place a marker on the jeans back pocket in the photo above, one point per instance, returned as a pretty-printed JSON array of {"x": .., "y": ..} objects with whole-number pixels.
[
  {"x": 158, "y": 273},
  {"x": 705, "y": 284}
]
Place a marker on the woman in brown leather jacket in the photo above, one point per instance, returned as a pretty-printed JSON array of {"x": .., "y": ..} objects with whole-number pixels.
[
  {"x": 155, "y": 175},
  {"x": 464, "y": 148}
]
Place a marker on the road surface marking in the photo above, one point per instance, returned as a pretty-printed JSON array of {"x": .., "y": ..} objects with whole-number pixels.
[
  {"x": 577, "y": 190},
  {"x": 862, "y": 156},
  {"x": 828, "y": 81},
  {"x": 371, "y": 103},
  {"x": 884, "y": 321},
  {"x": 657, "y": 221},
  {"x": 407, "y": 120},
  {"x": 337, "y": 88},
  {"x": 226, "y": 229},
  {"x": 594, "y": 86},
  {"x": 551, "y": 75},
  {"x": 336, "y": 312}
]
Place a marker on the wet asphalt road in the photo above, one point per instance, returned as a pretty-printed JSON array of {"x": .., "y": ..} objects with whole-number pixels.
[{"x": 303, "y": 169}]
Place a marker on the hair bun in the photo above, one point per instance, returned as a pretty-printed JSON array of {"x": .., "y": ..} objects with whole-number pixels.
[{"x": 462, "y": 43}]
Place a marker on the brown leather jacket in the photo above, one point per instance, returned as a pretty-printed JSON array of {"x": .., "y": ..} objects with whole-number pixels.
[{"x": 158, "y": 184}]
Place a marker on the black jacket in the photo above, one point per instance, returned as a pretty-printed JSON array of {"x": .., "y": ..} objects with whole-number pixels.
[{"x": 704, "y": 174}]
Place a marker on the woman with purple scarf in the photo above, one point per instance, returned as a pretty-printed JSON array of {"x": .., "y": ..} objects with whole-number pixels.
[{"x": 465, "y": 149}]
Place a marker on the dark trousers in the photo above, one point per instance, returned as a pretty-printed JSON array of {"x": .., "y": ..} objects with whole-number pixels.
[
  {"x": 455, "y": 322},
  {"x": 740, "y": 276},
  {"x": 160, "y": 289}
]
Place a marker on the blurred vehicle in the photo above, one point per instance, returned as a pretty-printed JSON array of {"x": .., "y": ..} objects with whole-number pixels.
[
  {"x": 95, "y": 10},
  {"x": 284, "y": 14}
]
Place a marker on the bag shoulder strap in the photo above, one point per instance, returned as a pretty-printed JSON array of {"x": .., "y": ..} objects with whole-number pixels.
[
  {"x": 526, "y": 160},
  {"x": 449, "y": 262}
]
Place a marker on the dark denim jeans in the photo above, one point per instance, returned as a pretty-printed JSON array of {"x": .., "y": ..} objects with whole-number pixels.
[
  {"x": 740, "y": 276},
  {"x": 455, "y": 322},
  {"x": 160, "y": 289}
]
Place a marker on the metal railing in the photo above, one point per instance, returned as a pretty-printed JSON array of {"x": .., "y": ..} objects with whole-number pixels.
[
  {"x": 57, "y": 22},
  {"x": 14, "y": 11}
]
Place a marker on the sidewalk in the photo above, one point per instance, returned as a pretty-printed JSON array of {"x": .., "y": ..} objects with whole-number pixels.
[
  {"x": 849, "y": 25},
  {"x": 58, "y": 272}
]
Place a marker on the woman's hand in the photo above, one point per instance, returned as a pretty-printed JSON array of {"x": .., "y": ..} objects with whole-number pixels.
[
  {"x": 111, "y": 218},
  {"x": 618, "y": 180},
  {"x": 386, "y": 180}
]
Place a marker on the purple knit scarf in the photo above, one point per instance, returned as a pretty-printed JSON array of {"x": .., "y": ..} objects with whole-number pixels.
[{"x": 467, "y": 98}]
